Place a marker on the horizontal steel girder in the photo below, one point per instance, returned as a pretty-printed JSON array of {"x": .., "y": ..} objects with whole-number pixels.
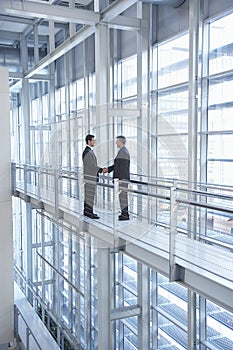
[{"x": 48, "y": 11}]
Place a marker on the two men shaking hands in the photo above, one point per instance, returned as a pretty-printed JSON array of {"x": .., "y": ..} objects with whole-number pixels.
[{"x": 120, "y": 169}]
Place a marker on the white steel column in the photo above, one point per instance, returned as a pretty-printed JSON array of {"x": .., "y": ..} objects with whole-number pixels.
[
  {"x": 143, "y": 128},
  {"x": 72, "y": 26},
  {"x": 6, "y": 237},
  {"x": 194, "y": 18},
  {"x": 144, "y": 303},
  {"x": 27, "y": 160},
  {"x": 102, "y": 90},
  {"x": 194, "y": 15},
  {"x": 36, "y": 43},
  {"x": 143, "y": 91},
  {"x": 104, "y": 299},
  {"x": 87, "y": 291}
]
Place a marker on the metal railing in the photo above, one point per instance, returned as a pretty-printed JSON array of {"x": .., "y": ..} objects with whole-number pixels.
[
  {"x": 28, "y": 331},
  {"x": 24, "y": 332},
  {"x": 201, "y": 211}
]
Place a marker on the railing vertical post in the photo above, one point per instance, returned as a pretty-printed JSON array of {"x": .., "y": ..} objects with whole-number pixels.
[
  {"x": 16, "y": 323},
  {"x": 13, "y": 178},
  {"x": 38, "y": 182},
  {"x": 173, "y": 231},
  {"x": 81, "y": 189},
  {"x": 56, "y": 193},
  {"x": 25, "y": 178},
  {"x": 115, "y": 201},
  {"x": 28, "y": 332}
]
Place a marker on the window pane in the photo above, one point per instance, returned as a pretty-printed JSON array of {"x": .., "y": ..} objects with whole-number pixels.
[
  {"x": 220, "y": 147},
  {"x": 221, "y": 48},
  {"x": 220, "y": 105},
  {"x": 173, "y": 112},
  {"x": 80, "y": 94},
  {"x": 172, "y": 156},
  {"x": 129, "y": 77},
  {"x": 220, "y": 91},
  {"x": 220, "y": 172},
  {"x": 219, "y": 326},
  {"x": 173, "y": 133},
  {"x": 173, "y": 62}
]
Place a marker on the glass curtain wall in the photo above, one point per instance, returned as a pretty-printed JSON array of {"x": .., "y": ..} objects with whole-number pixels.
[
  {"x": 125, "y": 268},
  {"x": 64, "y": 265},
  {"x": 220, "y": 106},
  {"x": 170, "y": 300},
  {"x": 172, "y": 111},
  {"x": 217, "y": 131},
  {"x": 51, "y": 261}
]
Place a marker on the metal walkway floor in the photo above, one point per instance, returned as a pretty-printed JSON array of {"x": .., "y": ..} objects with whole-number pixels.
[{"x": 205, "y": 269}]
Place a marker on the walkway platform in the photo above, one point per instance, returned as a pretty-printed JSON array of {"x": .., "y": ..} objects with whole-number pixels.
[
  {"x": 27, "y": 318},
  {"x": 206, "y": 269}
]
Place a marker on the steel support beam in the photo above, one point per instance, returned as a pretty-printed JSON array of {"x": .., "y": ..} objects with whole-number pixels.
[
  {"x": 9, "y": 35},
  {"x": 102, "y": 64},
  {"x": 194, "y": 19},
  {"x": 144, "y": 303},
  {"x": 71, "y": 42},
  {"x": 104, "y": 299},
  {"x": 133, "y": 113},
  {"x": 88, "y": 292},
  {"x": 125, "y": 312},
  {"x": 36, "y": 44},
  {"x": 48, "y": 11},
  {"x": 143, "y": 94},
  {"x": 173, "y": 3},
  {"x": 13, "y": 19},
  {"x": 6, "y": 237},
  {"x": 126, "y": 23},
  {"x": 115, "y": 9}
]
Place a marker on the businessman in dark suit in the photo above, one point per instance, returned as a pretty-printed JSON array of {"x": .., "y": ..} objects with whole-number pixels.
[
  {"x": 121, "y": 171},
  {"x": 91, "y": 173}
]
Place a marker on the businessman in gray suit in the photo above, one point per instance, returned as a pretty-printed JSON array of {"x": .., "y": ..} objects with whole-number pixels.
[
  {"x": 91, "y": 173},
  {"x": 121, "y": 171}
]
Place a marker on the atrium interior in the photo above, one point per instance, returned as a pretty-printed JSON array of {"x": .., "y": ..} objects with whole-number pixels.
[{"x": 159, "y": 72}]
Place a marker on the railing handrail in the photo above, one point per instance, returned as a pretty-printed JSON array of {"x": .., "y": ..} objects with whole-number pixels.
[
  {"x": 29, "y": 329},
  {"x": 62, "y": 171},
  {"x": 64, "y": 174}
]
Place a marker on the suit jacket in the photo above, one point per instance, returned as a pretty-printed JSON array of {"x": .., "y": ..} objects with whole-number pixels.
[
  {"x": 121, "y": 165},
  {"x": 90, "y": 168}
]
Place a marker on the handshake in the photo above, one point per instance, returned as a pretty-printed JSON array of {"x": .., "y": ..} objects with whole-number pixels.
[{"x": 105, "y": 170}]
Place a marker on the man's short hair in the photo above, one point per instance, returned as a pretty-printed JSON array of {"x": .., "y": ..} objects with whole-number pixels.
[
  {"x": 122, "y": 139},
  {"x": 89, "y": 138}
]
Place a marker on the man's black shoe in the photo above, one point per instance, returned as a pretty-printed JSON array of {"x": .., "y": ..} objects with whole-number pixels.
[
  {"x": 91, "y": 215},
  {"x": 95, "y": 216},
  {"x": 123, "y": 217}
]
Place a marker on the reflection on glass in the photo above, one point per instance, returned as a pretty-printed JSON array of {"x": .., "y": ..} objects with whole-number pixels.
[
  {"x": 219, "y": 327},
  {"x": 173, "y": 62},
  {"x": 80, "y": 94},
  {"x": 220, "y": 104},
  {"x": 220, "y": 91},
  {"x": 220, "y": 119},
  {"x": 173, "y": 112},
  {"x": 220, "y": 172},
  {"x": 129, "y": 77},
  {"x": 221, "y": 48}
]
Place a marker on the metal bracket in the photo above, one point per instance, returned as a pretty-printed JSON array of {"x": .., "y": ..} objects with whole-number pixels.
[{"x": 176, "y": 273}]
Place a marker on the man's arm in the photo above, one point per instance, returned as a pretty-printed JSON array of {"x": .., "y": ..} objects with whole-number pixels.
[{"x": 110, "y": 168}]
